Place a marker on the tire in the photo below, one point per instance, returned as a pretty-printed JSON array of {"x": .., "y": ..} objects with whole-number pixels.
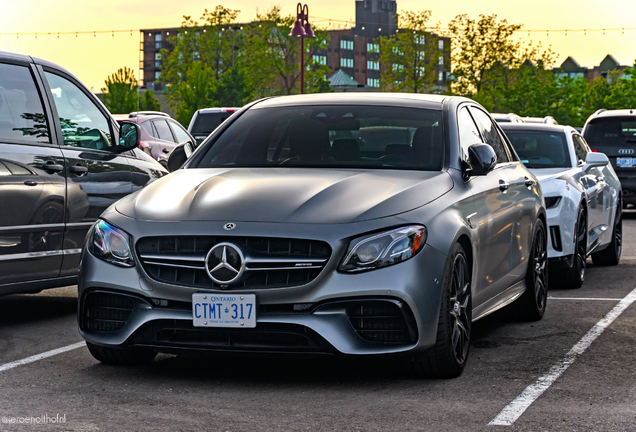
[
  {"x": 532, "y": 303},
  {"x": 611, "y": 255},
  {"x": 121, "y": 356},
  {"x": 447, "y": 358},
  {"x": 575, "y": 276}
]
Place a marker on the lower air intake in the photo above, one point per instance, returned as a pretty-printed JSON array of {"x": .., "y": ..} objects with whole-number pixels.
[
  {"x": 106, "y": 311},
  {"x": 382, "y": 321}
]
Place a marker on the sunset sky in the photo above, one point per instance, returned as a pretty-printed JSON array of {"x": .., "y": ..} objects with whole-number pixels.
[{"x": 93, "y": 58}]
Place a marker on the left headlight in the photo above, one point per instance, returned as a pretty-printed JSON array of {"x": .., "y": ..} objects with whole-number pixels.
[
  {"x": 110, "y": 244},
  {"x": 383, "y": 249}
]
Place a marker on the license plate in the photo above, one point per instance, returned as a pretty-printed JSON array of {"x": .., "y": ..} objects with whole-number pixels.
[
  {"x": 224, "y": 310},
  {"x": 625, "y": 162}
]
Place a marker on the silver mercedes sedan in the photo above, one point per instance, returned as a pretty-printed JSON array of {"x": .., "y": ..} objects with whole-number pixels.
[{"x": 343, "y": 224}]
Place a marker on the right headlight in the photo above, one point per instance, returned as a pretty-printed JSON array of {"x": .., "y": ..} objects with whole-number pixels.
[
  {"x": 383, "y": 249},
  {"x": 110, "y": 244}
]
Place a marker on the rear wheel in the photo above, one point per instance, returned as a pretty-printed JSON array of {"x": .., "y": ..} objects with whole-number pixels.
[
  {"x": 121, "y": 356},
  {"x": 448, "y": 357},
  {"x": 611, "y": 255},
  {"x": 575, "y": 276},
  {"x": 532, "y": 303}
]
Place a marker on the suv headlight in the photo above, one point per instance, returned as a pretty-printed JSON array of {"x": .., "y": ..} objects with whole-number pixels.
[
  {"x": 383, "y": 249},
  {"x": 110, "y": 244}
]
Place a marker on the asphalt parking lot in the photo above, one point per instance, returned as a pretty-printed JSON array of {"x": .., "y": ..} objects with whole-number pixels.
[{"x": 554, "y": 387}]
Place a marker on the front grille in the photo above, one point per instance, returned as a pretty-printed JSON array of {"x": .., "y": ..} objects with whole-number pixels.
[
  {"x": 382, "y": 321},
  {"x": 265, "y": 337},
  {"x": 269, "y": 262},
  {"x": 106, "y": 311}
]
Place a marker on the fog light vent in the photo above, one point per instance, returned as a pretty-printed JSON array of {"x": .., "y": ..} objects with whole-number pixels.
[
  {"x": 382, "y": 321},
  {"x": 106, "y": 311}
]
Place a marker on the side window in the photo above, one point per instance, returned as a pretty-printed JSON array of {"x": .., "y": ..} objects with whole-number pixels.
[
  {"x": 22, "y": 117},
  {"x": 468, "y": 132},
  {"x": 163, "y": 130},
  {"x": 17, "y": 169},
  {"x": 83, "y": 124},
  {"x": 149, "y": 128},
  {"x": 179, "y": 132},
  {"x": 579, "y": 147},
  {"x": 491, "y": 134}
]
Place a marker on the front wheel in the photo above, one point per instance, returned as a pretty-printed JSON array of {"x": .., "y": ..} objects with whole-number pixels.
[
  {"x": 532, "y": 303},
  {"x": 575, "y": 276},
  {"x": 448, "y": 357}
]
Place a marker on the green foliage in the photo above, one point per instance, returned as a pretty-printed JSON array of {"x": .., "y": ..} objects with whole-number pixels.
[
  {"x": 233, "y": 89},
  {"x": 195, "y": 92},
  {"x": 410, "y": 56},
  {"x": 120, "y": 93},
  {"x": 148, "y": 102}
]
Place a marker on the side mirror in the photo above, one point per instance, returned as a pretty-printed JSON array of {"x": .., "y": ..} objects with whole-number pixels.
[
  {"x": 482, "y": 158},
  {"x": 594, "y": 159},
  {"x": 179, "y": 155},
  {"x": 129, "y": 136}
]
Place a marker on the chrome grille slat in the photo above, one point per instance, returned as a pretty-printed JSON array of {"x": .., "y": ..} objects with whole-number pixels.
[{"x": 269, "y": 262}]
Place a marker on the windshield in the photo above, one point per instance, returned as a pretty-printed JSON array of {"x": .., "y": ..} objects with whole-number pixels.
[
  {"x": 332, "y": 137},
  {"x": 541, "y": 149}
]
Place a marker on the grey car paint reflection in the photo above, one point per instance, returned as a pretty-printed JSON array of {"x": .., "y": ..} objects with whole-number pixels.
[{"x": 332, "y": 205}]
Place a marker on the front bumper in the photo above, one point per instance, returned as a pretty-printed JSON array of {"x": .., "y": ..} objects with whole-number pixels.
[{"x": 306, "y": 319}]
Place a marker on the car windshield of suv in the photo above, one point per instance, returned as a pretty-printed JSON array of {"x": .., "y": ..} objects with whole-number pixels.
[
  {"x": 539, "y": 149},
  {"x": 611, "y": 132},
  {"x": 374, "y": 137}
]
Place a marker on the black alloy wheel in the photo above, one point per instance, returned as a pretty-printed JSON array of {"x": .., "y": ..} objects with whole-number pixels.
[
  {"x": 448, "y": 357},
  {"x": 611, "y": 255},
  {"x": 532, "y": 303},
  {"x": 576, "y": 275}
]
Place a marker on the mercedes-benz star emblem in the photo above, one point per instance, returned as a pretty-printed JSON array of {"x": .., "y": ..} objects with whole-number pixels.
[
  {"x": 224, "y": 263},
  {"x": 229, "y": 226}
]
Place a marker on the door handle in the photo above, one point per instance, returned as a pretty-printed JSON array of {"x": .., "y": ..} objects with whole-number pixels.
[
  {"x": 503, "y": 185},
  {"x": 529, "y": 183},
  {"x": 52, "y": 167},
  {"x": 78, "y": 169},
  {"x": 31, "y": 183}
]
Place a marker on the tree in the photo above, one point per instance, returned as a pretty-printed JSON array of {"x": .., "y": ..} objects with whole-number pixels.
[
  {"x": 272, "y": 56},
  {"x": 233, "y": 89},
  {"x": 410, "y": 56},
  {"x": 148, "y": 102},
  {"x": 120, "y": 93},
  {"x": 622, "y": 89},
  {"x": 195, "y": 92}
]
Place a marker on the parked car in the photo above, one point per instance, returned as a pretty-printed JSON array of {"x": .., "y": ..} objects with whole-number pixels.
[
  {"x": 63, "y": 161},
  {"x": 205, "y": 120},
  {"x": 582, "y": 197},
  {"x": 613, "y": 132},
  {"x": 279, "y": 237},
  {"x": 506, "y": 118},
  {"x": 546, "y": 120},
  {"x": 159, "y": 134}
]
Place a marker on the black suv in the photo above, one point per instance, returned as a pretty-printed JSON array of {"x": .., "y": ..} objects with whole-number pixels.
[
  {"x": 613, "y": 132},
  {"x": 62, "y": 163}
]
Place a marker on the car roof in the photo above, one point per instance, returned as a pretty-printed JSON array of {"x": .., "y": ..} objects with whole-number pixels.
[
  {"x": 357, "y": 98},
  {"x": 216, "y": 110},
  {"x": 614, "y": 113},
  {"x": 27, "y": 58},
  {"x": 545, "y": 127}
]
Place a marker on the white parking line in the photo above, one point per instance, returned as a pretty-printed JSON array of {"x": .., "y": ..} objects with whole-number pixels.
[
  {"x": 513, "y": 411},
  {"x": 585, "y": 298},
  {"x": 41, "y": 356}
]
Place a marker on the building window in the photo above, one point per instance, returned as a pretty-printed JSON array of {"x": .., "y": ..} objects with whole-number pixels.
[
  {"x": 422, "y": 71},
  {"x": 440, "y": 61},
  {"x": 346, "y": 45},
  {"x": 441, "y": 76},
  {"x": 157, "y": 64},
  {"x": 322, "y": 60},
  {"x": 157, "y": 75},
  {"x": 420, "y": 39},
  {"x": 398, "y": 67},
  {"x": 373, "y": 47},
  {"x": 373, "y": 65},
  {"x": 346, "y": 62},
  {"x": 441, "y": 44},
  {"x": 158, "y": 37},
  {"x": 157, "y": 56},
  {"x": 373, "y": 82}
]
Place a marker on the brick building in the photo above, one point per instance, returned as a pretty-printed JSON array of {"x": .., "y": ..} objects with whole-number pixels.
[{"x": 354, "y": 51}]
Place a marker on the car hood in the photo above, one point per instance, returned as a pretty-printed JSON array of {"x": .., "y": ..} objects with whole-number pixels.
[
  {"x": 291, "y": 195},
  {"x": 547, "y": 174}
]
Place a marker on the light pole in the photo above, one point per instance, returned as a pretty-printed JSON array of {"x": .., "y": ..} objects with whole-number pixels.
[{"x": 302, "y": 29}]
